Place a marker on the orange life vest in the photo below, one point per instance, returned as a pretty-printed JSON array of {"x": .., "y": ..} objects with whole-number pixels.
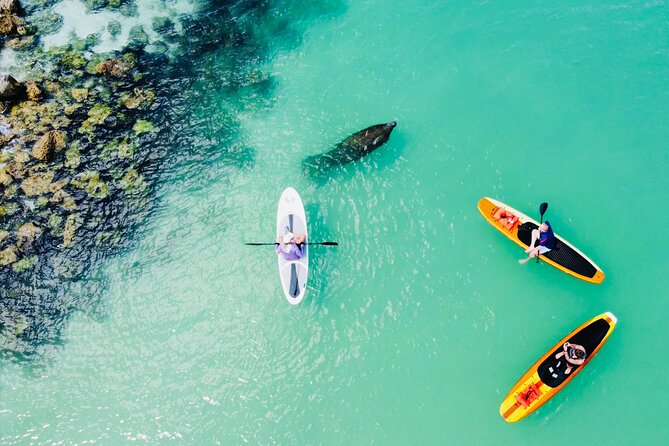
[
  {"x": 501, "y": 215},
  {"x": 527, "y": 396}
]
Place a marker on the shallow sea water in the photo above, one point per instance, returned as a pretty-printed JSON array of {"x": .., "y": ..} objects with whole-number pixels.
[{"x": 416, "y": 326}]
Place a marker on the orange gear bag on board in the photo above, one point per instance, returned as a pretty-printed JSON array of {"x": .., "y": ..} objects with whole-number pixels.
[{"x": 501, "y": 215}]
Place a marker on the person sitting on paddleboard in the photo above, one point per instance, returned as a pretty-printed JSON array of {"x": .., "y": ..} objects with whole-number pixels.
[
  {"x": 574, "y": 354},
  {"x": 290, "y": 245},
  {"x": 544, "y": 233}
]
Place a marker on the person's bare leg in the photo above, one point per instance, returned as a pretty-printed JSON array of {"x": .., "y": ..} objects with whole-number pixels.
[
  {"x": 532, "y": 255},
  {"x": 535, "y": 237},
  {"x": 299, "y": 238}
]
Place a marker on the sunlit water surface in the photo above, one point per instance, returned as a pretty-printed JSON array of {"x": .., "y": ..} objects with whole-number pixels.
[{"x": 419, "y": 322}]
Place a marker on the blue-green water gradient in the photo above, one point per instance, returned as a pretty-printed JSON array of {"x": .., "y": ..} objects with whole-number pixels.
[{"x": 420, "y": 321}]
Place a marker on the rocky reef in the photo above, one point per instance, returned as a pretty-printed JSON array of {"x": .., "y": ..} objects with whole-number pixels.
[{"x": 86, "y": 138}]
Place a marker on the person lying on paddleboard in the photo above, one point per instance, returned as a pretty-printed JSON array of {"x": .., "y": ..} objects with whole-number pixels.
[
  {"x": 574, "y": 354},
  {"x": 290, "y": 245},
  {"x": 544, "y": 233}
]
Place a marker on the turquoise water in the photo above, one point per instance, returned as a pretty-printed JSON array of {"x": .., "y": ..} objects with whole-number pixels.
[{"x": 416, "y": 326}]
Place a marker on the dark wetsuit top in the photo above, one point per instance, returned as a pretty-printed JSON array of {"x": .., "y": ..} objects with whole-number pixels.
[{"x": 547, "y": 238}]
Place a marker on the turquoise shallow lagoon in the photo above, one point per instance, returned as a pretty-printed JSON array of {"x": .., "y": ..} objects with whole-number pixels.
[{"x": 420, "y": 321}]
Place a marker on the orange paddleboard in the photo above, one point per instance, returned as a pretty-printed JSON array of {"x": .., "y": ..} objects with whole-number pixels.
[
  {"x": 518, "y": 227},
  {"x": 549, "y": 374}
]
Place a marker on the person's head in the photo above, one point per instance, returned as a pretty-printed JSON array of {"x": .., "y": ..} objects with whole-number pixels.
[
  {"x": 545, "y": 226},
  {"x": 579, "y": 354},
  {"x": 288, "y": 237}
]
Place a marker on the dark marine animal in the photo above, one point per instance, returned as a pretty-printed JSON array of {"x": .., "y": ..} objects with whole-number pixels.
[{"x": 352, "y": 148}]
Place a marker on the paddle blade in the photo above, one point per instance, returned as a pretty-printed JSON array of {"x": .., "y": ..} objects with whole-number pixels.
[{"x": 542, "y": 208}]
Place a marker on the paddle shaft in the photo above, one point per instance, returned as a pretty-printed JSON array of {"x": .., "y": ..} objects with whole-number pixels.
[
  {"x": 542, "y": 210},
  {"x": 307, "y": 243}
]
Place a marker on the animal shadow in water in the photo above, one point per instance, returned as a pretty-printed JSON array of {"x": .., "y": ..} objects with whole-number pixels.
[{"x": 379, "y": 159}]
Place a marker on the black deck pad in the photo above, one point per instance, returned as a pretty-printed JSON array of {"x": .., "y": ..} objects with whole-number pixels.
[
  {"x": 551, "y": 371},
  {"x": 562, "y": 254},
  {"x": 294, "y": 288}
]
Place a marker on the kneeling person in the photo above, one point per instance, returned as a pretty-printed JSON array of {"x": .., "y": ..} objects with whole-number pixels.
[
  {"x": 290, "y": 246},
  {"x": 574, "y": 354}
]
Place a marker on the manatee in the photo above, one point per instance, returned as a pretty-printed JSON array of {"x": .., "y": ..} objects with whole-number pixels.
[{"x": 352, "y": 148}]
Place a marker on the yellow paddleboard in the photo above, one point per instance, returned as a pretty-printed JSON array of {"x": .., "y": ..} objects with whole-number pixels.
[
  {"x": 549, "y": 374},
  {"x": 518, "y": 227}
]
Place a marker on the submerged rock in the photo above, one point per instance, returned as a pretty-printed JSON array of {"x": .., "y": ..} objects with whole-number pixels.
[
  {"x": 7, "y": 24},
  {"x": 37, "y": 183},
  {"x": 9, "y": 209},
  {"x": 73, "y": 59},
  {"x": 90, "y": 182},
  {"x": 10, "y": 6},
  {"x": 32, "y": 115},
  {"x": 143, "y": 126},
  {"x": 45, "y": 148},
  {"x": 22, "y": 43},
  {"x": 96, "y": 116},
  {"x": 5, "y": 178},
  {"x": 118, "y": 150},
  {"x": 126, "y": 149},
  {"x": 10, "y": 88},
  {"x": 72, "y": 157},
  {"x": 114, "y": 28},
  {"x": 24, "y": 264},
  {"x": 90, "y": 41},
  {"x": 97, "y": 5},
  {"x": 138, "y": 38},
  {"x": 33, "y": 91},
  {"x": 139, "y": 98},
  {"x": 115, "y": 67},
  {"x": 11, "y": 25},
  {"x": 8, "y": 256},
  {"x": 79, "y": 94},
  {"x": 163, "y": 25},
  {"x": 54, "y": 225},
  {"x": 47, "y": 22},
  {"x": 133, "y": 182},
  {"x": 158, "y": 46},
  {"x": 64, "y": 200},
  {"x": 69, "y": 232},
  {"x": 27, "y": 234},
  {"x": 10, "y": 192}
]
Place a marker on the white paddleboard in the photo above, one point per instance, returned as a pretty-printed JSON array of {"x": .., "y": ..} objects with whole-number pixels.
[{"x": 290, "y": 217}]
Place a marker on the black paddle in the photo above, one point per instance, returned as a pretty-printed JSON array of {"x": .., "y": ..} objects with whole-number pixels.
[
  {"x": 542, "y": 211},
  {"x": 308, "y": 243}
]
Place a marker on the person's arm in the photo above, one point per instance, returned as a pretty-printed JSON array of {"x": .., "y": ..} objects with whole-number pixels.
[
  {"x": 564, "y": 352},
  {"x": 299, "y": 238}
]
